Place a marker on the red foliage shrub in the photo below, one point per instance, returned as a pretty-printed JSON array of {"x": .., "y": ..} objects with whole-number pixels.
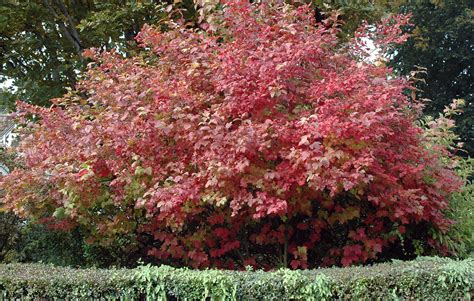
[{"x": 263, "y": 143}]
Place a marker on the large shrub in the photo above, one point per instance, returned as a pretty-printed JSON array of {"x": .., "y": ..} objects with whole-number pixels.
[{"x": 255, "y": 140}]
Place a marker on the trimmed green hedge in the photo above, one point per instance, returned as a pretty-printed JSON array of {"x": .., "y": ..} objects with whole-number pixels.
[{"x": 425, "y": 278}]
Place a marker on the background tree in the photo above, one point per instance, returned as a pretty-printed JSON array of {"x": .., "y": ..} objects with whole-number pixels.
[
  {"x": 353, "y": 13},
  {"x": 443, "y": 43}
]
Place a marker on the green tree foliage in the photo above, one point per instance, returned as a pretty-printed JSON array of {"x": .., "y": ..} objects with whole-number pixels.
[
  {"x": 443, "y": 43},
  {"x": 353, "y": 13},
  {"x": 7, "y": 99},
  {"x": 41, "y": 41}
]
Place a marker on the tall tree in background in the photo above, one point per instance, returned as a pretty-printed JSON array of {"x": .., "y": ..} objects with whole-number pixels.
[
  {"x": 41, "y": 41},
  {"x": 443, "y": 43}
]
